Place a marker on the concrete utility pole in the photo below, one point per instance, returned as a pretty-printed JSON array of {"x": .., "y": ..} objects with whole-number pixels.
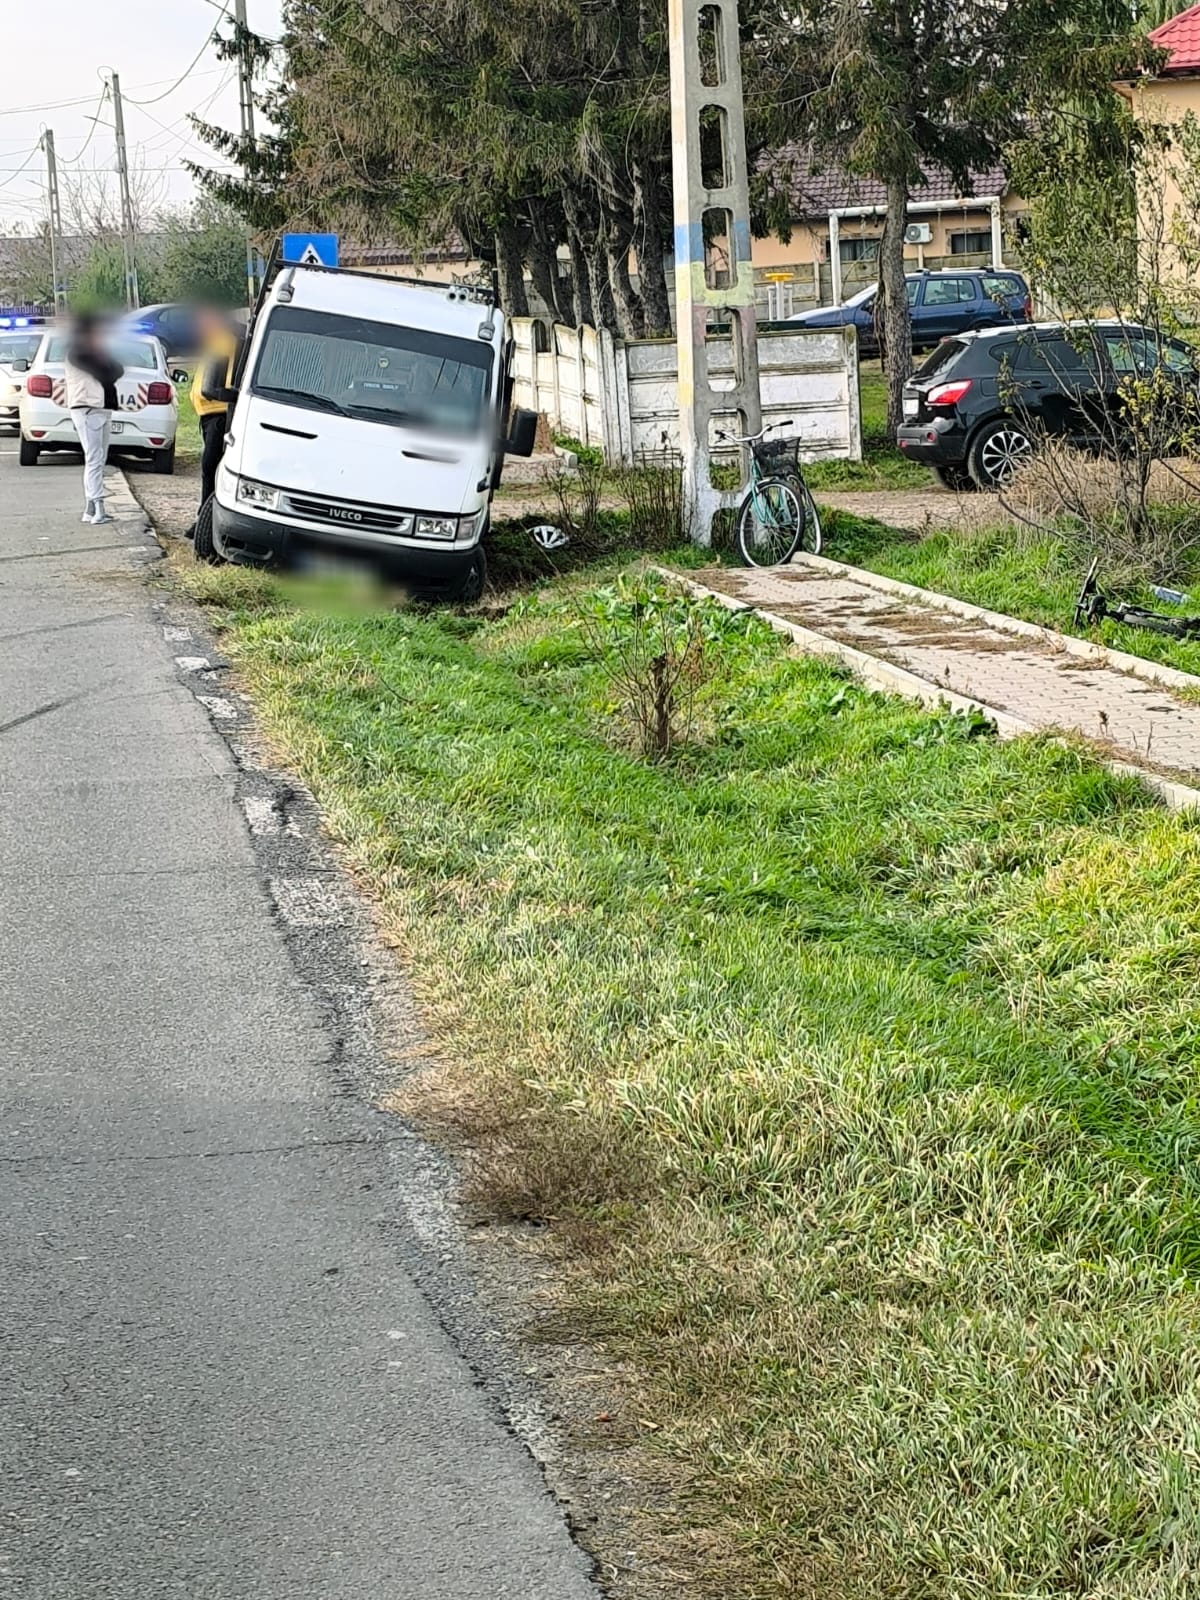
[
  {"x": 60, "y": 297},
  {"x": 246, "y": 110},
  {"x": 706, "y": 92},
  {"x": 133, "y": 297}
]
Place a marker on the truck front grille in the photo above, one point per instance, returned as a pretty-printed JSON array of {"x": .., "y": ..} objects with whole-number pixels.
[{"x": 372, "y": 519}]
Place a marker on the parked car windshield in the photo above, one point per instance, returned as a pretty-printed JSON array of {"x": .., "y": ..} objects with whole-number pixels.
[
  {"x": 865, "y": 296},
  {"x": 128, "y": 352},
  {"x": 374, "y": 370}
]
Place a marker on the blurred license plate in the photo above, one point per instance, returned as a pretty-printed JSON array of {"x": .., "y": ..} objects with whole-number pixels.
[
  {"x": 117, "y": 427},
  {"x": 910, "y": 405}
]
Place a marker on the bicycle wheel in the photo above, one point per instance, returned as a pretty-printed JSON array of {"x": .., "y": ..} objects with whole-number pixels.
[
  {"x": 810, "y": 533},
  {"x": 770, "y": 524}
]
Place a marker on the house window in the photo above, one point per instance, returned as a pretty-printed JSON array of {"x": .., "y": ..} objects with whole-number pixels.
[
  {"x": 971, "y": 242},
  {"x": 858, "y": 249}
]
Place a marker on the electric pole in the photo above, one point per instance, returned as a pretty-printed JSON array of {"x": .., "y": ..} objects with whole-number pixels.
[
  {"x": 128, "y": 229},
  {"x": 246, "y": 110},
  {"x": 712, "y": 202},
  {"x": 55, "y": 222}
]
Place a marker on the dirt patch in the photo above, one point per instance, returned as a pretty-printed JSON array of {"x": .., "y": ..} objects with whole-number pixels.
[{"x": 920, "y": 510}]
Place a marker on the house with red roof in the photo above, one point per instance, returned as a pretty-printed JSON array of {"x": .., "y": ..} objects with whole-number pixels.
[{"x": 1162, "y": 97}]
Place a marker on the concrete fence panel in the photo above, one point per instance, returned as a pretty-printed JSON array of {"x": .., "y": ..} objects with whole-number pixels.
[{"x": 622, "y": 397}]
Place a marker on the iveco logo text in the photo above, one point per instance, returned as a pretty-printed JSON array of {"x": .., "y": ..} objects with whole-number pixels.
[{"x": 345, "y": 514}]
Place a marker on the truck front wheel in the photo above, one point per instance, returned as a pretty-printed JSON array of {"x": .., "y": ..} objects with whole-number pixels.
[{"x": 469, "y": 590}]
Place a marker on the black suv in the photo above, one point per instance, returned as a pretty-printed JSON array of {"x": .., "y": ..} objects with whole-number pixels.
[{"x": 977, "y": 406}]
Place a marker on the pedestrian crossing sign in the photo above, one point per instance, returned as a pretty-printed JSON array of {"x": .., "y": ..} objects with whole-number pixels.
[{"x": 310, "y": 249}]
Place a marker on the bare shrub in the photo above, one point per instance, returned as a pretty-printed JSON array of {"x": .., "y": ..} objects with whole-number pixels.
[
  {"x": 652, "y": 644},
  {"x": 580, "y": 496},
  {"x": 653, "y": 496},
  {"x": 1148, "y": 529}
]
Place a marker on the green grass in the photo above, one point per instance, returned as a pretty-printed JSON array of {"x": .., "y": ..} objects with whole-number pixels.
[
  {"x": 1027, "y": 575},
  {"x": 187, "y": 439},
  {"x": 854, "y": 1051}
]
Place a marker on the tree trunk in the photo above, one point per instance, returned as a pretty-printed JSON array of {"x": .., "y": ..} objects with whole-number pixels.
[
  {"x": 893, "y": 322},
  {"x": 543, "y": 270},
  {"x": 543, "y": 264},
  {"x": 631, "y": 318},
  {"x": 652, "y": 277},
  {"x": 511, "y": 267},
  {"x": 581, "y": 283},
  {"x": 604, "y": 310}
]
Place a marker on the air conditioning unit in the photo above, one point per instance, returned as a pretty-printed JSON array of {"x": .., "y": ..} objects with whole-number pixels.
[{"x": 918, "y": 233}]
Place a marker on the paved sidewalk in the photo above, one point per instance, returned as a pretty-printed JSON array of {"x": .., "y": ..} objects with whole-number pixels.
[
  {"x": 1032, "y": 679},
  {"x": 222, "y": 1379}
]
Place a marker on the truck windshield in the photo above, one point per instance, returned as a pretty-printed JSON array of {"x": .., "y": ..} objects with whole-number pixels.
[{"x": 374, "y": 370}]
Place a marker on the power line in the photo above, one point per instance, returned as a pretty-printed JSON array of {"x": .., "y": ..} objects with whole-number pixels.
[
  {"x": 175, "y": 166},
  {"x": 17, "y": 171},
  {"x": 171, "y": 129},
  {"x": 46, "y": 105},
  {"x": 95, "y": 120},
  {"x": 142, "y": 104},
  {"x": 85, "y": 99}
]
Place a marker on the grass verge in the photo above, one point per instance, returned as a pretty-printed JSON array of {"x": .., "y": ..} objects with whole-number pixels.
[
  {"x": 882, "y": 465},
  {"x": 187, "y": 438},
  {"x": 853, "y": 1052},
  {"x": 1025, "y": 574}
]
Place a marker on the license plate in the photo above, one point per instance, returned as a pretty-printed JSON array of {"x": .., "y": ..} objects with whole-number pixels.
[
  {"x": 910, "y": 405},
  {"x": 117, "y": 427}
]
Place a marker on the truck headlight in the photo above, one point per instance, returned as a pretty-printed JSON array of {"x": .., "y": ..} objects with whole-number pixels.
[
  {"x": 437, "y": 527},
  {"x": 257, "y": 494}
]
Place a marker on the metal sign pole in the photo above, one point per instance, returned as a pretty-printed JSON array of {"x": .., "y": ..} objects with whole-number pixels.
[{"x": 706, "y": 92}]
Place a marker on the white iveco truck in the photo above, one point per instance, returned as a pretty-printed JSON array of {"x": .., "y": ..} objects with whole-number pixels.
[{"x": 370, "y": 414}]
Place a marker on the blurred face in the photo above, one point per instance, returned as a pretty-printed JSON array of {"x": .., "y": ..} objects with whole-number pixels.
[{"x": 209, "y": 321}]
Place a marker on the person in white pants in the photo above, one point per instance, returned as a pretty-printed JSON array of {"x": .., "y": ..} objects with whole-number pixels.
[{"x": 91, "y": 377}]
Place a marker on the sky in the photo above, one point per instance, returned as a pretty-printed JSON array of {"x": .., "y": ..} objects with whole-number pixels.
[{"x": 54, "y": 51}]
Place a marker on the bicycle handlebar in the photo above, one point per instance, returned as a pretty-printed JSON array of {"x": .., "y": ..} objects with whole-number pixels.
[{"x": 753, "y": 438}]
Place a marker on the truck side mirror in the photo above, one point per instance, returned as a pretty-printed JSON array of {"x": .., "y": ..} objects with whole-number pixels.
[
  {"x": 20, "y": 366},
  {"x": 522, "y": 433}
]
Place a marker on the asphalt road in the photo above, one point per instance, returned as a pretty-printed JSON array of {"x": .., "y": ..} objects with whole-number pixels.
[{"x": 217, "y": 1378}]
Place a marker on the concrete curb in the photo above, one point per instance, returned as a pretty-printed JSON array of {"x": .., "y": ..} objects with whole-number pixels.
[
  {"x": 885, "y": 676},
  {"x": 121, "y": 500},
  {"x": 1101, "y": 654}
]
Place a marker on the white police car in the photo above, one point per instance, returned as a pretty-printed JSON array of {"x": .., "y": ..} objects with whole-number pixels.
[
  {"x": 18, "y": 346},
  {"x": 147, "y": 414}
]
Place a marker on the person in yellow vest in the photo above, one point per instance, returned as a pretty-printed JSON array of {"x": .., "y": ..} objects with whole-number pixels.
[{"x": 212, "y": 393}]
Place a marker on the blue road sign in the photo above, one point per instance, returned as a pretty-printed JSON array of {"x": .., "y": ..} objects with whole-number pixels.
[{"x": 311, "y": 249}]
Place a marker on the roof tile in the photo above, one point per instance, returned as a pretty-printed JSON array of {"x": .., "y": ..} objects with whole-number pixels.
[
  {"x": 1181, "y": 36},
  {"x": 819, "y": 186}
]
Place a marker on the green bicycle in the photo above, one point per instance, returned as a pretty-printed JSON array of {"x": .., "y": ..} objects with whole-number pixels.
[{"x": 779, "y": 515}]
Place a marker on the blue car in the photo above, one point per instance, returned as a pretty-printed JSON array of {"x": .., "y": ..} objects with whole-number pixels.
[
  {"x": 940, "y": 303},
  {"x": 174, "y": 326}
]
